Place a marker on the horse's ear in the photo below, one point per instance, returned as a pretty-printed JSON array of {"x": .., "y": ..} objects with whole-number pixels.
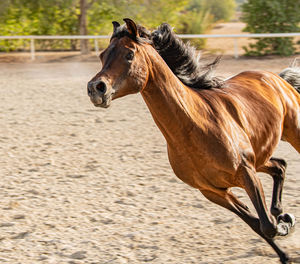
[
  {"x": 131, "y": 26},
  {"x": 116, "y": 25}
]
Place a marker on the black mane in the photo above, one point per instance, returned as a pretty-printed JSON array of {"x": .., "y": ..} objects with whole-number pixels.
[{"x": 182, "y": 59}]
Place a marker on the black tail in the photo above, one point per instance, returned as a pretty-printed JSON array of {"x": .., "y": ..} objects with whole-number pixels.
[{"x": 292, "y": 76}]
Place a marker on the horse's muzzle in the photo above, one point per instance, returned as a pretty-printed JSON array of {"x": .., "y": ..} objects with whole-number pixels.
[{"x": 99, "y": 94}]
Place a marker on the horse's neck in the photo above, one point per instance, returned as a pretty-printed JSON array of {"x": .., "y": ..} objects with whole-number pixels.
[{"x": 166, "y": 98}]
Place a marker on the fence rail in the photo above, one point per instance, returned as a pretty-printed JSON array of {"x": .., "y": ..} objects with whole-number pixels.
[{"x": 188, "y": 36}]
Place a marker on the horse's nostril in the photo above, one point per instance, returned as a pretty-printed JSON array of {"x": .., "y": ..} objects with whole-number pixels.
[
  {"x": 89, "y": 89},
  {"x": 101, "y": 87}
]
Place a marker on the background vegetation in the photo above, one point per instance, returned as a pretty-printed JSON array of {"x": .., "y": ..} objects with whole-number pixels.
[
  {"x": 271, "y": 16},
  {"x": 94, "y": 17}
]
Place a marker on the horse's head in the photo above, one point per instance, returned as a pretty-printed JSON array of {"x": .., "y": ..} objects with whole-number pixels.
[{"x": 124, "y": 68}]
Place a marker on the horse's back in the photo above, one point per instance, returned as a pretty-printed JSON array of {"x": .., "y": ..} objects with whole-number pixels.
[
  {"x": 264, "y": 88},
  {"x": 265, "y": 83}
]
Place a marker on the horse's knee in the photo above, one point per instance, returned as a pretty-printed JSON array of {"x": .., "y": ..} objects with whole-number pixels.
[{"x": 278, "y": 169}]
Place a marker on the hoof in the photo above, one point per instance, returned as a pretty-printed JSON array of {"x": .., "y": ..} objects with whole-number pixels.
[
  {"x": 285, "y": 224},
  {"x": 287, "y": 218},
  {"x": 283, "y": 229},
  {"x": 285, "y": 259}
]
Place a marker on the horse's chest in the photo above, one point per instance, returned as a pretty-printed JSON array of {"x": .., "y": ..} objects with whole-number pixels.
[
  {"x": 197, "y": 159},
  {"x": 186, "y": 168}
]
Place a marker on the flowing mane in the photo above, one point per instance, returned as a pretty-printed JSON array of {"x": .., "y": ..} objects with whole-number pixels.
[{"x": 182, "y": 59}]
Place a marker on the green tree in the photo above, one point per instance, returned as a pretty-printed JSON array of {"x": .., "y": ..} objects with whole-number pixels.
[
  {"x": 43, "y": 17},
  {"x": 271, "y": 16},
  {"x": 221, "y": 10}
]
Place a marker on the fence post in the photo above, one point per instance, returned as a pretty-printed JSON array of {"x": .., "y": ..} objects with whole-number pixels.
[
  {"x": 236, "y": 48},
  {"x": 96, "y": 46},
  {"x": 32, "y": 49}
]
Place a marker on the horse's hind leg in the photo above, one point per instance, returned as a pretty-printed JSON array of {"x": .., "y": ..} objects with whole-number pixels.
[
  {"x": 276, "y": 168},
  {"x": 227, "y": 199}
]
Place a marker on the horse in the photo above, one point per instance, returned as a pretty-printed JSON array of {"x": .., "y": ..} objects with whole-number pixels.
[{"x": 218, "y": 137}]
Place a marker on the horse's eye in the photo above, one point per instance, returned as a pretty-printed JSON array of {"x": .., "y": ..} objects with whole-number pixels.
[{"x": 129, "y": 56}]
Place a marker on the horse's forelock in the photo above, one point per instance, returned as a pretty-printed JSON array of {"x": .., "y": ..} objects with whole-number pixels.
[{"x": 143, "y": 34}]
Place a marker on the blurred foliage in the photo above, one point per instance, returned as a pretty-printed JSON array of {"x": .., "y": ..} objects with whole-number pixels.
[
  {"x": 42, "y": 17},
  {"x": 61, "y": 17},
  {"x": 271, "y": 16},
  {"x": 199, "y": 17},
  {"x": 196, "y": 22},
  {"x": 222, "y": 10},
  {"x": 239, "y": 3}
]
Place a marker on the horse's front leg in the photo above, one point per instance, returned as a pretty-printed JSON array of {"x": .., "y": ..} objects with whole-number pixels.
[
  {"x": 227, "y": 199},
  {"x": 276, "y": 168},
  {"x": 269, "y": 226}
]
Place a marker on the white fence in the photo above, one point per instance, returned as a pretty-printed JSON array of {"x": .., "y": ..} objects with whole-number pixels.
[{"x": 190, "y": 36}]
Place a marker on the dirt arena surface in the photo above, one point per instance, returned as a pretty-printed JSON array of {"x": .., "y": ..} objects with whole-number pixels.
[{"x": 82, "y": 185}]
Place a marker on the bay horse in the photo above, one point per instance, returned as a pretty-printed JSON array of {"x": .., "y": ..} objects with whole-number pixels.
[{"x": 217, "y": 137}]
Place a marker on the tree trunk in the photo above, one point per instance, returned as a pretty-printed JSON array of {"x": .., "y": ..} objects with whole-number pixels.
[
  {"x": 84, "y": 43},
  {"x": 73, "y": 44}
]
